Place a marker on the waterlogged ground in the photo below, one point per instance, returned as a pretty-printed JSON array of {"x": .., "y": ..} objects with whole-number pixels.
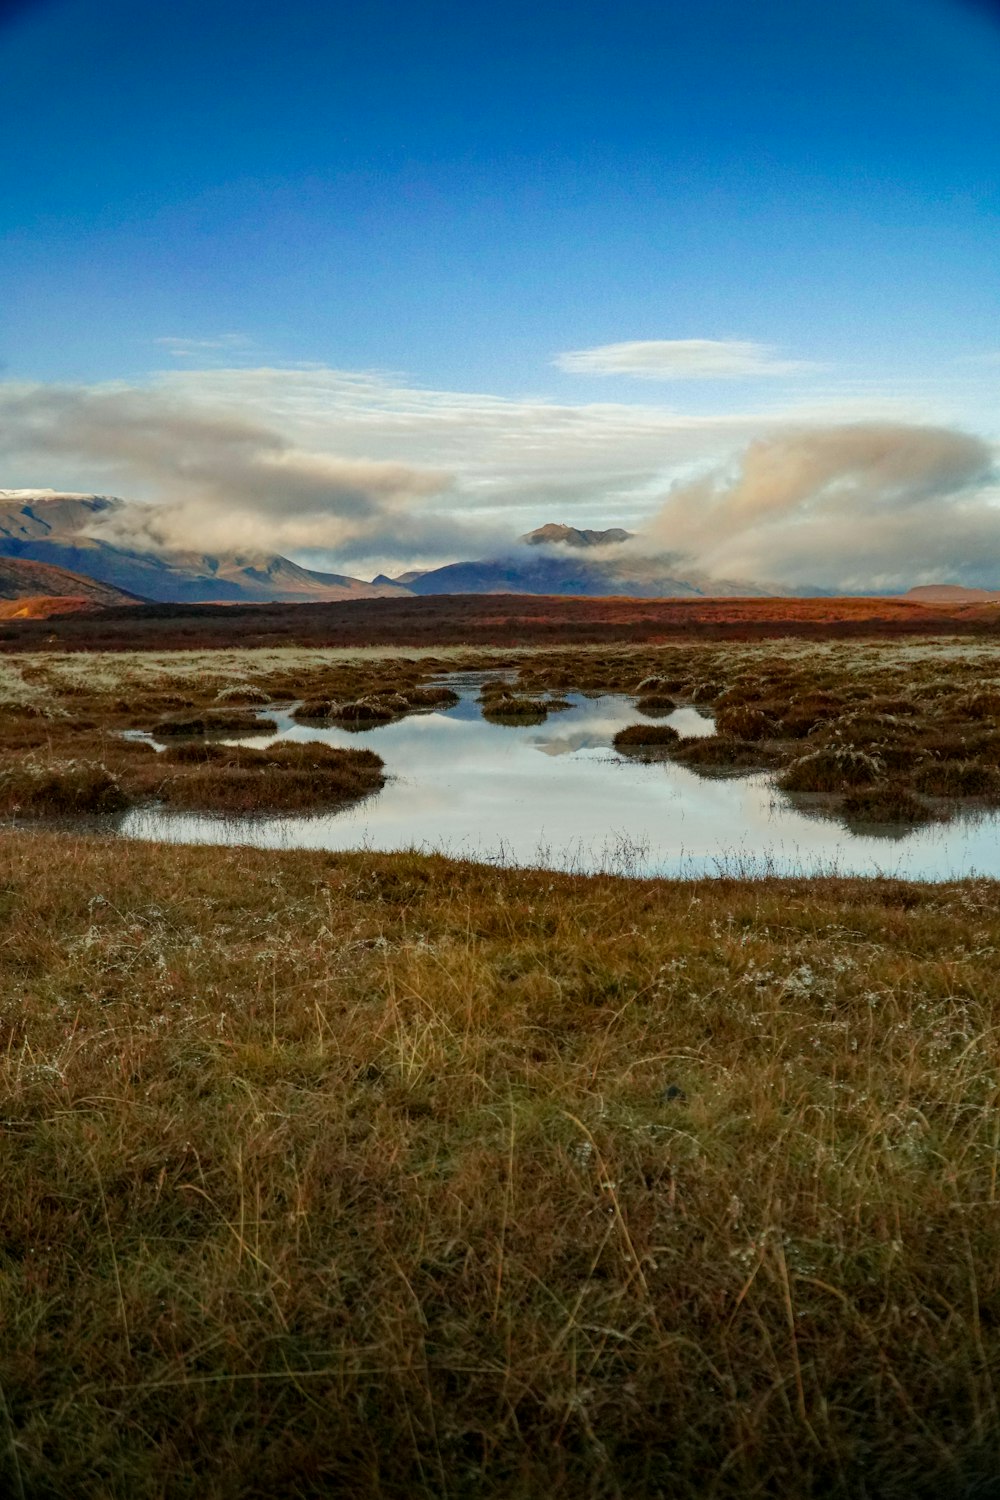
[{"x": 557, "y": 795}]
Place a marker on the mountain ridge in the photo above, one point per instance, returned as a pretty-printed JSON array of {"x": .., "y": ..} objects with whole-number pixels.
[
  {"x": 48, "y": 527},
  {"x": 560, "y": 535},
  {"x": 34, "y": 590}
]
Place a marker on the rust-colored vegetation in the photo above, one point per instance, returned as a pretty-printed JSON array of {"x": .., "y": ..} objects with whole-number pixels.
[
  {"x": 291, "y": 777},
  {"x": 390, "y": 1176},
  {"x": 873, "y": 732},
  {"x": 495, "y": 620},
  {"x": 832, "y": 721},
  {"x": 502, "y": 703},
  {"x": 645, "y": 736}
]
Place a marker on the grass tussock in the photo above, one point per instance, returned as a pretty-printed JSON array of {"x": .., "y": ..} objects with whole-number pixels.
[
  {"x": 831, "y": 769},
  {"x": 242, "y": 692},
  {"x": 502, "y": 703},
  {"x": 724, "y": 754},
  {"x": 391, "y": 1177},
  {"x": 289, "y": 777},
  {"x": 655, "y": 705},
  {"x": 645, "y": 736},
  {"x": 376, "y": 708},
  {"x": 57, "y": 789}
]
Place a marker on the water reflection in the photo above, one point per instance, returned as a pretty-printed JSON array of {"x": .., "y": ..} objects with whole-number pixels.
[{"x": 557, "y": 795}]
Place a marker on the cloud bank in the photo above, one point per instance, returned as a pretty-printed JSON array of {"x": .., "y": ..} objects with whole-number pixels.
[
  {"x": 356, "y": 471},
  {"x": 873, "y": 506},
  {"x": 681, "y": 359},
  {"x": 220, "y": 481}
]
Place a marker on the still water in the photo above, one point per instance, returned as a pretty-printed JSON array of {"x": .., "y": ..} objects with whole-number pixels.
[{"x": 557, "y": 795}]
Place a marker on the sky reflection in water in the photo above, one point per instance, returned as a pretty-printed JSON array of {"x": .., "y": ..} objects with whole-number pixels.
[{"x": 557, "y": 795}]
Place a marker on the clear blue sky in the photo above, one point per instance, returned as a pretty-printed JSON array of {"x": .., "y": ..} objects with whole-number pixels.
[{"x": 461, "y": 191}]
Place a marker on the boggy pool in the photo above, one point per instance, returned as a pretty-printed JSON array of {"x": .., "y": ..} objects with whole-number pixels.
[{"x": 557, "y": 795}]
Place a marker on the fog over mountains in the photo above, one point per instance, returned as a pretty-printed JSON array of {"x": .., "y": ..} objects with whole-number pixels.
[
  {"x": 78, "y": 538},
  {"x": 559, "y": 559},
  {"x": 64, "y": 530}
]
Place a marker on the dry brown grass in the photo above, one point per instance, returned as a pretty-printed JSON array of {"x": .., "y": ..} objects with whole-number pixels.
[
  {"x": 393, "y": 1177},
  {"x": 58, "y": 789},
  {"x": 655, "y": 705},
  {"x": 642, "y": 736},
  {"x": 294, "y": 777}
]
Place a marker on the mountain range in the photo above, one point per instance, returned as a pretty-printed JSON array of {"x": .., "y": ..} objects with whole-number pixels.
[
  {"x": 55, "y": 529},
  {"x": 563, "y": 567},
  {"x": 63, "y": 530}
]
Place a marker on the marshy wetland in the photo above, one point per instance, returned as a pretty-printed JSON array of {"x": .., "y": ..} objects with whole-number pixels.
[
  {"x": 386, "y": 1174},
  {"x": 791, "y": 759}
]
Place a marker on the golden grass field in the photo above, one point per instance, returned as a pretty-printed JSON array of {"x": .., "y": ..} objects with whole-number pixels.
[{"x": 389, "y": 1176}]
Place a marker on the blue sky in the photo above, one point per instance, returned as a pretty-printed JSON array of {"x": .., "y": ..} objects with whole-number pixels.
[{"x": 457, "y": 197}]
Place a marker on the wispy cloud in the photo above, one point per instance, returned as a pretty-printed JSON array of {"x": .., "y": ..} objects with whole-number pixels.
[
  {"x": 225, "y": 345},
  {"x": 682, "y": 359}
]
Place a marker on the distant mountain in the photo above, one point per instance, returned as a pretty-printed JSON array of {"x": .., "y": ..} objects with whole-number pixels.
[
  {"x": 563, "y": 567},
  {"x": 570, "y": 536},
  {"x": 636, "y": 577},
  {"x": 36, "y": 589},
  {"x": 951, "y": 593},
  {"x": 52, "y": 528},
  {"x": 63, "y": 530}
]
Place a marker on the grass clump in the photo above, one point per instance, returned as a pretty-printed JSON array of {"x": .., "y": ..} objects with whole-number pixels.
[
  {"x": 313, "y": 710},
  {"x": 503, "y": 703},
  {"x": 723, "y": 753},
  {"x": 286, "y": 777},
  {"x": 744, "y": 722},
  {"x": 363, "y": 712},
  {"x": 242, "y": 692},
  {"x": 375, "y": 708},
  {"x": 59, "y": 789},
  {"x": 832, "y": 768},
  {"x": 643, "y": 736},
  {"x": 431, "y": 697}
]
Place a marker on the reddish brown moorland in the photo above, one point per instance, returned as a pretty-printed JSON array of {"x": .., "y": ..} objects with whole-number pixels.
[{"x": 491, "y": 620}]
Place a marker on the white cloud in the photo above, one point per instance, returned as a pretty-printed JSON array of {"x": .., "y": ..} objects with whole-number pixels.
[
  {"x": 863, "y": 506},
  {"x": 681, "y": 359},
  {"x": 365, "y": 473},
  {"x": 219, "y": 479}
]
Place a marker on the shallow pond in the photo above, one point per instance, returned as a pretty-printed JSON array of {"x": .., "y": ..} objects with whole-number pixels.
[{"x": 557, "y": 795}]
